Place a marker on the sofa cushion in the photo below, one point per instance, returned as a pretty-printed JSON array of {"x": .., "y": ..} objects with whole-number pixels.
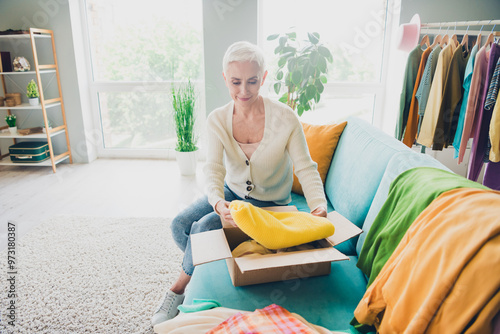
[
  {"x": 361, "y": 157},
  {"x": 400, "y": 162},
  {"x": 321, "y": 141},
  {"x": 328, "y": 301}
]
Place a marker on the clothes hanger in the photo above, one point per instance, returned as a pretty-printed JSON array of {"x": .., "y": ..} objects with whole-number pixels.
[
  {"x": 491, "y": 37},
  {"x": 446, "y": 38},
  {"x": 465, "y": 39},
  {"x": 425, "y": 41},
  {"x": 454, "y": 36},
  {"x": 438, "y": 38},
  {"x": 478, "y": 39}
]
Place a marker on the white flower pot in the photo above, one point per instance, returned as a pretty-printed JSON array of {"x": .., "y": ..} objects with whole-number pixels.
[
  {"x": 33, "y": 101},
  {"x": 186, "y": 162},
  {"x": 13, "y": 130}
]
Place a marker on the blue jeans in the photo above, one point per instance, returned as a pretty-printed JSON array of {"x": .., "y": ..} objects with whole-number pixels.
[{"x": 200, "y": 217}]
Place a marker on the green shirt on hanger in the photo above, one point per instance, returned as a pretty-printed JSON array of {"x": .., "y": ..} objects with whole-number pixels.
[{"x": 411, "y": 71}]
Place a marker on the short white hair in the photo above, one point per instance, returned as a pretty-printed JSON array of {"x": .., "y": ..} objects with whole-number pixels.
[{"x": 244, "y": 52}]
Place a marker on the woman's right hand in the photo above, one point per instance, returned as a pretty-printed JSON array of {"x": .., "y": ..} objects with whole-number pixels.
[{"x": 222, "y": 208}]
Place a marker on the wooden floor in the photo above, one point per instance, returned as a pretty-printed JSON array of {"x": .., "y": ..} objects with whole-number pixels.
[{"x": 105, "y": 187}]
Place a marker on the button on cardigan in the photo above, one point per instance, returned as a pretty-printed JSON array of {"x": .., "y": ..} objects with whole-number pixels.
[{"x": 283, "y": 146}]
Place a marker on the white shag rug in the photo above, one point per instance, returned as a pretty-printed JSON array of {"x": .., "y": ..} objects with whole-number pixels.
[{"x": 91, "y": 275}]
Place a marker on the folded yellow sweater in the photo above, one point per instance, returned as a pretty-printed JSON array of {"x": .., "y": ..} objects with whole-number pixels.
[
  {"x": 250, "y": 247},
  {"x": 276, "y": 230}
]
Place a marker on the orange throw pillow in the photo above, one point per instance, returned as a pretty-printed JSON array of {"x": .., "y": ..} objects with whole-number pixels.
[{"x": 321, "y": 141}]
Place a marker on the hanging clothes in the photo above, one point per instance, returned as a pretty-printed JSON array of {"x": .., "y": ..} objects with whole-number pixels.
[
  {"x": 477, "y": 88},
  {"x": 425, "y": 84},
  {"x": 466, "y": 86},
  {"x": 429, "y": 122},
  {"x": 410, "y": 132},
  {"x": 492, "y": 172},
  {"x": 447, "y": 120},
  {"x": 489, "y": 103},
  {"x": 411, "y": 71},
  {"x": 495, "y": 133},
  {"x": 483, "y": 125}
]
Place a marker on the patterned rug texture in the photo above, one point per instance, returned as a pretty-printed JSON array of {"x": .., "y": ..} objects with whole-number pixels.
[{"x": 90, "y": 275}]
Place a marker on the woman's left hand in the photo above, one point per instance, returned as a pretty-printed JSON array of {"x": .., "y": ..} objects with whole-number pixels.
[{"x": 319, "y": 211}]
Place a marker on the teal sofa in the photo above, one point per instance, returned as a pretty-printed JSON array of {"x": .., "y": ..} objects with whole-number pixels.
[{"x": 365, "y": 162}]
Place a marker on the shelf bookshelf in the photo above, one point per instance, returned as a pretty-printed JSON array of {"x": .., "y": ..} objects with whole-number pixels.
[{"x": 45, "y": 104}]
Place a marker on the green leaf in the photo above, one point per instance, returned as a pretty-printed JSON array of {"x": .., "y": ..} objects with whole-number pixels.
[
  {"x": 289, "y": 49},
  {"x": 291, "y": 35},
  {"x": 277, "y": 87},
  {"x": 307, "y": 106},
  {"x": 317, "y": 97},
  {"x": 291, "y": 64},
  {"x": 278, "y": 49},
  {"x": 319, "y": 86},
  {"x": 286, "y": 55},
  {"x": 300, "y": 110},
  {"x": 322, "y": 64},
  {"x": 324, "y": 51},
  {"x": 282, "y": 61},
  {"x": 312, "y": 38},
  {"x": 272, "y": 37},
  {"x": 284, "y": 98},
  {"x": 303, "y": 99},
  {"x": 314, "y": 58},
  {"x": 316, "y": 35},
  {"x": 311, "y": 92},
  {"x": 323, "y": 79},
  {"x": 279, "y": 76},
  {"x": 296, "y": 77},
  {"x": 282, "y": 41}
]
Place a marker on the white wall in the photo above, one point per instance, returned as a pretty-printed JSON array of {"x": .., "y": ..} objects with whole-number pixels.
[{"x": 54, "y": 15}]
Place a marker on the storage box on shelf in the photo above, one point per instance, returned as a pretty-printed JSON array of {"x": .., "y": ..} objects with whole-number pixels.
[{"x": 44, "y": 69}]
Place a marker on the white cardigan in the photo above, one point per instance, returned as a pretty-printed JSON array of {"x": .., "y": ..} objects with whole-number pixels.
[{"x": 268, "y": 175}]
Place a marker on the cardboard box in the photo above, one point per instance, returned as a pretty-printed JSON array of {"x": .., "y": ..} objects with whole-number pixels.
[{"x": 255, "y": 269}]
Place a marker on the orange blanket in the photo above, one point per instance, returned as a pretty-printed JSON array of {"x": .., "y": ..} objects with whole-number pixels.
[{"x": 444, "y": 276}]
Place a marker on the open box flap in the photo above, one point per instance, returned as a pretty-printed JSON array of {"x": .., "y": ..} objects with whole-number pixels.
[
  {"x": 256, "y": 262},
  {"x": 344, "y": 229},
  {"x": 209, "y": 246}
]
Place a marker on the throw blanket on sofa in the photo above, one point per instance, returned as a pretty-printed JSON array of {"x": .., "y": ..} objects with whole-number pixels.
[
  {"x": 443, "y": 276},
  {"x": 275, "y": 230},
  {"x": 203, "y": 321},
  {"x": 410, "y": 193}
]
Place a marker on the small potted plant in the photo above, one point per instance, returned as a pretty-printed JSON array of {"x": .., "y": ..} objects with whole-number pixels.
[
  {"x": 32, "y": 93},
  {"x": 183, "y": 103},
  {"x": 11, "y": 122}
]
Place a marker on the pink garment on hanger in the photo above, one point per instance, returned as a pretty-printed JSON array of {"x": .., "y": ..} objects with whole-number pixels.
[{"x": 477, "y": 89}]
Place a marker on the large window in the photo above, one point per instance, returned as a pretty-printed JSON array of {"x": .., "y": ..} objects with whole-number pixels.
[
  {"x": 139, "y": 49},
  {"x": 354, "y": 32}
]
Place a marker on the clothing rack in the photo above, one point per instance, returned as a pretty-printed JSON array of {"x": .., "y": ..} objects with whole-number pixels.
[{"x": 449, "y": 25}]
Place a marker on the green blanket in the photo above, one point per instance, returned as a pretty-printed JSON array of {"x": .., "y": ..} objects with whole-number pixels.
[{"x": 409, "y": 194}]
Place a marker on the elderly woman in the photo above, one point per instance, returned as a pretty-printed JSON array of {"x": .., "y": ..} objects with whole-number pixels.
[{"x": 253, "y": 145}]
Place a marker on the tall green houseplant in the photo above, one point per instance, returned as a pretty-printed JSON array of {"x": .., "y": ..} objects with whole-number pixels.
[
  {"x": 301, "y": 69},
  {"x": 183, "y": 102}
]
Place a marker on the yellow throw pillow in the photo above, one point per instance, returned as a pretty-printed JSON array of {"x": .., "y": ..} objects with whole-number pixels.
[
  {"x": 321, "y": 141},
  {"x": 275, "y": 230}
]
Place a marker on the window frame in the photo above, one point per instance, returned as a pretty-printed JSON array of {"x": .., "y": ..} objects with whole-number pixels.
[
  {"x": 377, "y": 89},
  {"x": 106, "y": 86}
]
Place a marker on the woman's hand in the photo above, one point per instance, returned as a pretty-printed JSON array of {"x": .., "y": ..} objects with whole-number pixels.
[
  {"x": 319, "y": 211},
  {"x": 222, "y": 208}
]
